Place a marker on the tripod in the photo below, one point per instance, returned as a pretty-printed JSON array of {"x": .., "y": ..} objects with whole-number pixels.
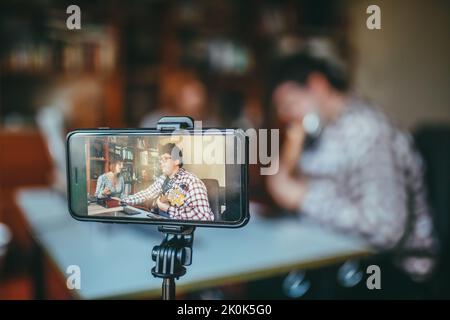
[
  {"x": 175, "y": 251},
  {"x": 171, "y": 257}
]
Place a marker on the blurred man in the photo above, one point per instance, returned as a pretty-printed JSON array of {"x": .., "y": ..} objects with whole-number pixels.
[
  {"x": 360, "y": 174},
  {"x": 179, "y": 194}
]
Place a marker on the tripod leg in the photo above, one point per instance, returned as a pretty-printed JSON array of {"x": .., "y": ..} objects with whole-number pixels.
[{"x": 168, "y": 289}]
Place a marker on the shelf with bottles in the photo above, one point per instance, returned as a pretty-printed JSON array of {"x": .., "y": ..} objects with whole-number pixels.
[
  {"x": 45, "y": 46},
  {"x": 47, "y": 60},
  {"x": 38, "y": 52},
  {"x": 125, "y": 153},
  {"x": 128, "y": 174},
  {"x": 97, "y": 161},
  {"x": 97, "y": 169}
]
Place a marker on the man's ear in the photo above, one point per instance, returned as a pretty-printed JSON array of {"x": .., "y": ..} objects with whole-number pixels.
[{"x": 177, "y": 162}]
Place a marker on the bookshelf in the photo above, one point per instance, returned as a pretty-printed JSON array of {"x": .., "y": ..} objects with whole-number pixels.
[
  {"x": 130, "y": 46},
  {"x": 38, "y": 51},
  {"x": 97, "y": 163}
]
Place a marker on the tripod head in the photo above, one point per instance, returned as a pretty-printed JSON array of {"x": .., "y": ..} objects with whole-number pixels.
[
  {"x": 174, "y": 252},
  {"x": 171, "y": 257}
]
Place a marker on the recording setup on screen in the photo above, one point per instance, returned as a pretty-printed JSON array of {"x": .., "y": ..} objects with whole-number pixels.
[{"x": 155, "y": 177}]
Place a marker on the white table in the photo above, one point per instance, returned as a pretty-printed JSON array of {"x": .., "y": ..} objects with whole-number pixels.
[
  {"x": 95, "y": 209},
  {"x": 115, "y": 259}
]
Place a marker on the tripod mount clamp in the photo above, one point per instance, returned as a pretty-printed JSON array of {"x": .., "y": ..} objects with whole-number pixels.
[
  {"x": 174, "y": 253},
  {"x": 170, "y": 123}
]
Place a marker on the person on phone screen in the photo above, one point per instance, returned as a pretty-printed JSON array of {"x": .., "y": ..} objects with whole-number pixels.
[
  {"x": 111, "y": 183},
  {"x": 179, "y": 194},
  {"x": 361, "y": 175}
]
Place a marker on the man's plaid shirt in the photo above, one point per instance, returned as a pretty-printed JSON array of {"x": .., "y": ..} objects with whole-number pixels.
[{"x": 196, "y": 204}]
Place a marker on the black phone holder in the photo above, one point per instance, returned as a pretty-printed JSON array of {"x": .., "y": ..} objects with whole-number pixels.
[
  {"x": 172, "y": 256},
  {"x": 175, "y": 251},
  {"x": 174, "y": 123}
]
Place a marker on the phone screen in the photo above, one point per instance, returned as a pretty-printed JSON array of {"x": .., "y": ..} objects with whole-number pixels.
[{"x": 149, "y": 176}]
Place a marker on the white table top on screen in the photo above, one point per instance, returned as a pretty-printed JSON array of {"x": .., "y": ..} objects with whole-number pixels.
[
  {"x": 97, "y": 210},
  {"x": 115, "y": 259}
]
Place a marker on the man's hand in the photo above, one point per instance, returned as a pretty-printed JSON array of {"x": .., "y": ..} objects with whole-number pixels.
[
  {"x": 295, "y": 134},
  {"x": 292, "y": 147},
  {"x": 163, "y": 206},
  {"x": 122, "y": 203},
  {"x": 164, "y": 199},
  {"x": 286, "y": 189}
]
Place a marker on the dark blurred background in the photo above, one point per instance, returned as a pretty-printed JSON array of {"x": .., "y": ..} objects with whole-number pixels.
[{"x": 131, "y": 59}]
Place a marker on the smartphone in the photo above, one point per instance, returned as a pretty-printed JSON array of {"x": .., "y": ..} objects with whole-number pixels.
[
  {"x": 313, "y": 126},
  {"x": 194, "y": 177}
]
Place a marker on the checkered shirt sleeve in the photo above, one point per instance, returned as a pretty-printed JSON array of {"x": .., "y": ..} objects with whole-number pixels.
[
  {"x": 196, "y": 205},
  {"x": 150, "y": 193}
]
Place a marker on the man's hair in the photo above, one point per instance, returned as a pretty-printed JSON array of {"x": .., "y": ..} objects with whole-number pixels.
[
  {"x": 298, "y": 67},
  {"x": 173, "y": 150}
]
